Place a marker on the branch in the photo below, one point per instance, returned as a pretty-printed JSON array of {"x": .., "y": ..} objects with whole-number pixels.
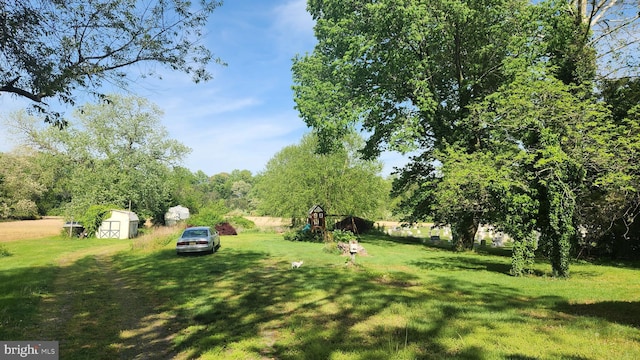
[
  {"x": 608, "y": 31},
  {"x": 601, "y": 10},
  {"x": 12, "y": 89}
]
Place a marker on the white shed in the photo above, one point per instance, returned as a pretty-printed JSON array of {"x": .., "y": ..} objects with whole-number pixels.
[
  {"x": 176, "y": 214},
  {"x": 121, "y": 224}
]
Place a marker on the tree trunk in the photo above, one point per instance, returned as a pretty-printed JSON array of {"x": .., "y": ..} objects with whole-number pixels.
[{"x": 464, "y": 232}]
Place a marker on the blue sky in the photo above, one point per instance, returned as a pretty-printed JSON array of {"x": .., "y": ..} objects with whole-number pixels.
[{"x": 246, "y": 114}]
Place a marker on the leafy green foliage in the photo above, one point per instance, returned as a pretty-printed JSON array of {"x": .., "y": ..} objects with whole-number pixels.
[
  {"x": 209, "y": 216},
  {"x": 297, "y": 178},
  {"x": 343, "y": 236},
  {"x": 4, "y": 252},
  {"x": 406, "y": 73},
  {"x": 118, "y": 153},
  {"x": 22, "y": 184},
  {"x": 52, "y": 48},
  {"x": 303, "y": 235},
  {"x": 92, "y": 218}
]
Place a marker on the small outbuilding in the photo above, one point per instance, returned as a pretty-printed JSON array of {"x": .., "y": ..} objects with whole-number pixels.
[
  {"x": 317, "y": 218},
  {"x": 73, "y": 228},
  {"x": 176, "y": 214},
  {"x": 121, "y": 224},
  {"x": 354, "y": 224}
]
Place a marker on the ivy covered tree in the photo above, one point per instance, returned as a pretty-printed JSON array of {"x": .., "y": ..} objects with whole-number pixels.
[{"x": 49, "y": 49}]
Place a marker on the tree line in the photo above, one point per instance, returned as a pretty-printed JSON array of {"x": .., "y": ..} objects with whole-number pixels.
[{"x": 117, "y": 153}]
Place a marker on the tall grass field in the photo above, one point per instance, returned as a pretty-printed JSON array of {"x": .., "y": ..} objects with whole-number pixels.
[{"x": 136, "y": 299}]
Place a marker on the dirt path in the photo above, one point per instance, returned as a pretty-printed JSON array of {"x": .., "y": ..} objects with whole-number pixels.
[{"x": 97, "y": 310}]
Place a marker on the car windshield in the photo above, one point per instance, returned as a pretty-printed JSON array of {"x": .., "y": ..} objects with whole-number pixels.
[{"x": 194, "y": 233}]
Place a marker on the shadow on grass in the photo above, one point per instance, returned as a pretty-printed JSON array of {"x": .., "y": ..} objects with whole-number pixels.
[
  {"x": 247, "y": 297},
  {"x": 252, "y": 304},
  {"x": 461, "y": 262},
  {"x": 385, "y": 240},
  {"x": 21, "y": 290},
  {"x": 620, "y": 312}
]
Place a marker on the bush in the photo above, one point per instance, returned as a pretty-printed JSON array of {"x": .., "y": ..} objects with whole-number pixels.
[
  {"x": 3, "y": 251},
  {"x": 25, "y": 210},
  {"x": 226, "y": 229},
  {"x": 343, "y": 236},
  {"x": 93, "y": 217},
  {"x": 209, "y": 216},
  {"x": 303, "y": 235}
]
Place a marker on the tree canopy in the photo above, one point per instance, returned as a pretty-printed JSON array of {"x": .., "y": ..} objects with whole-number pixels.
[
  {"x": 118, "y": 153},
  {"x": 296, "y": 178},
  {"x": 49, "y": 48},
  {"x": 498, "y": 98},
  {"x": 407, "y": 72}
]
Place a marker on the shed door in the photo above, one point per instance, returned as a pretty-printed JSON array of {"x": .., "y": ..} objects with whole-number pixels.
[{"x": 110, "y": 230}]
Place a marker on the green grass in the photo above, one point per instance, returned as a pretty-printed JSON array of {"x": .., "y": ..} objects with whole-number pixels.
[{"x": 405, "y": 300}]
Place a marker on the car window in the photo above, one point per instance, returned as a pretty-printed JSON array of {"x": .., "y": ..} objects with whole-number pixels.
[{"x": 194, "y": 233}]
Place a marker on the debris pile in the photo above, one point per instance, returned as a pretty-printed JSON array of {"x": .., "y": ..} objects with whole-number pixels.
[{"x": 226, "y": 229}]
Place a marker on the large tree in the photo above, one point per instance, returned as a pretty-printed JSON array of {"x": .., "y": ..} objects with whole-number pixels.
[
  {"x": 406, "y": 73},
  {"x": 297, "y": 178},
  {"x": 117, "y": 153},
  {"x": 49, "y": 48},
  {"x": 495, "y": 97}
]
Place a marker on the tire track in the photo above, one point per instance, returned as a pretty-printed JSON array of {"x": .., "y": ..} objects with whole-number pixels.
[{"x": 96, "y": 312}]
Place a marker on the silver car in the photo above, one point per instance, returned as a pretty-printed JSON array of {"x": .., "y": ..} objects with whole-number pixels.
[{"x": 198, "y": 239}]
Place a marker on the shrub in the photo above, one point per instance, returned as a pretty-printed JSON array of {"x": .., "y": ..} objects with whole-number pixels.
[
  {"x": 226, "y": 229},
  {"x": 343, "y": 236},
  {"x": 303, "y": 235},
  {"x": 3, "y": 251},
  {"x": 93, "y": 217},
  {"x": 209, "y": 216},
  {"x": 25, "y": 210}
]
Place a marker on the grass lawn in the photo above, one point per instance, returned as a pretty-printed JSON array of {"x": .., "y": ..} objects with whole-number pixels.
[{"x": 106, "y": 299}]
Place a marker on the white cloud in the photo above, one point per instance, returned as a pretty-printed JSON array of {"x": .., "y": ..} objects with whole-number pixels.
[
  {"x": 242, "y": 143},
  {"x": 293, "y": 16},
  {"x": 245, "y": 115},
  {"x": 293, "y": 27}
]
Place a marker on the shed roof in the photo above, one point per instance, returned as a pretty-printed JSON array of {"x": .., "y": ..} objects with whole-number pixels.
[
  {"x": 130, "y": 214},
  {"x": 316, "y": 208}
]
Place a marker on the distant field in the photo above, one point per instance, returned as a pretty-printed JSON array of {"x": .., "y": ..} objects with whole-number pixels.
[
  {"x": 267, "y": 221},
  {"x": 52, "y": 225},
  {"x": 30, "y": 229}
]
